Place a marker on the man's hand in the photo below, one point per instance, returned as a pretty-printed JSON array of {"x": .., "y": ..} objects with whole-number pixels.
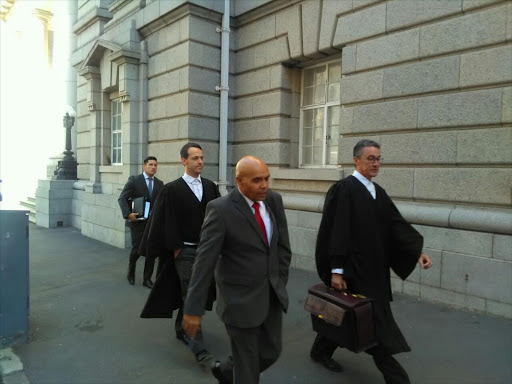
[
  {"x": 191, "y": 325},
  {"x": 337, "y": 282},
  {"x": 177, "y": 252},
  {"x": 424, "y": 261},
  {"x": 133, "y": 216}
]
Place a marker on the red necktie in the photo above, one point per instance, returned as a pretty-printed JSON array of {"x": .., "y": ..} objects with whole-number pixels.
[{"x": 256, "y": 207}]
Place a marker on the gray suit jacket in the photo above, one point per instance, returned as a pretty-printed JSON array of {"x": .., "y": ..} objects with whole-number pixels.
[{"x": 246, "y": 269}]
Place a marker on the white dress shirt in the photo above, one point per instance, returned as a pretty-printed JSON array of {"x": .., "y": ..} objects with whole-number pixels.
[
  {"x": 367, "y": 183},
  {"x": 195, "y": 185},
  {"x": 146, "y": 178},
  {"x": 371, "y": 188},
  {"x": 264, "y": 215}
]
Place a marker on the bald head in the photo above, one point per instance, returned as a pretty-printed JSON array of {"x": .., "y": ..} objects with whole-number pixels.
[
  {"x": 247, "y": 164},
  {"x": 252, "y": 178}
]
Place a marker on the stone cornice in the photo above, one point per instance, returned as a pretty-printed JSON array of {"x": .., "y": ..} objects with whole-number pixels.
[
  {"x": 436, "y": 215},
  {"x": 324, "y": 174},
  {"x": 263, "y": 10},
  {"x": 303, "y": 201},
  {"x": 460, "y": 217},
  {"x": 43, "y": 15},
  {"x": 90, "y": 72},
  {"x": 97, "y": 14},
  {"x": 177, "y": 14},
  {"x": 120, "y": 4},
  {"x": 125, "y": 56},
  {"x": 6, "y": 8},
  {"x": 123, "y": 9},
  {"x": 96, "y": 52}
]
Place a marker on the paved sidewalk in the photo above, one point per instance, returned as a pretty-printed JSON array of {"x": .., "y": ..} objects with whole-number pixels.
[
  {"x": 85, "y": 328},
  {"x": 11, "y": 368}
]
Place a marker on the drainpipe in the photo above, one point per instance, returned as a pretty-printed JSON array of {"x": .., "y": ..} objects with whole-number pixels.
[
  {"x": 143, "y": 99},
  {"x": 224, "y": 90}
]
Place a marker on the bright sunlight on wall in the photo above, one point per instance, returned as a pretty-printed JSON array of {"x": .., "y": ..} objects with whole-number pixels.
[{"x": 34, "y": 50}]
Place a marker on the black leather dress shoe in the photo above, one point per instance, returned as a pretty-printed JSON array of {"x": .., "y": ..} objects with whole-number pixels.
[
  {"x": 329, "y": 363},
  {"x": 148, "y": 283},
  {"x": 180, "y": 335},
  {"x": 217, "y": 373},
  {"x": 131, "y": 279},
  {"x": 204, "y": 357}
]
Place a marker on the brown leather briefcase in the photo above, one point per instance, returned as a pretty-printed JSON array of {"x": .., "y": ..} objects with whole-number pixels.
[{"x": 343, "y": 317}]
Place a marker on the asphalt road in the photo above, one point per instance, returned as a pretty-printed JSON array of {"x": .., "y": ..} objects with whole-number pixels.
[{"x": 85, "y": 328}]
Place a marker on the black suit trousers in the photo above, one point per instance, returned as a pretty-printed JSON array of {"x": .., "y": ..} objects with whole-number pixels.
[
  {"x": 391, "y": 369},
  {"x": 256, "y": 349},
  {"x": 137, "y": 231}
]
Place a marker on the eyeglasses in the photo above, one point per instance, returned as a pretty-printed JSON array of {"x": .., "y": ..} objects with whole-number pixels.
[{"x": 373, "y": 159}]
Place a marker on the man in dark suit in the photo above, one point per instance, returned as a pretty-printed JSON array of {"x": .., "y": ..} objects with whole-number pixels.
[
  {"x": 361, "y": 236},
  {"x": 244, "y": 239},
  {"x": 143, "y": 185},
  {"x": 173, "y": 236}
]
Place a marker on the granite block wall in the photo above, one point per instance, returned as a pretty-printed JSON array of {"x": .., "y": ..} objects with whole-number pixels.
[{"x": 430, "y": 80}]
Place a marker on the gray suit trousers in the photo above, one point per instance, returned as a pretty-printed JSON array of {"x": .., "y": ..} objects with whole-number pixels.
[
  {"x": 184, "y": 263},
  {"x": 256, "y": 349}
]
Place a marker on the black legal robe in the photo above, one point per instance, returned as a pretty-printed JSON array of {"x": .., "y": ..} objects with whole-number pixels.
[
  {"x": 176, "y": 217},
  {"x": 366, "y": 237}
]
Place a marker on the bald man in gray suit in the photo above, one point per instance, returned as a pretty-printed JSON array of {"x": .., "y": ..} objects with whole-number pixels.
[{"x": 244, "y": 238}]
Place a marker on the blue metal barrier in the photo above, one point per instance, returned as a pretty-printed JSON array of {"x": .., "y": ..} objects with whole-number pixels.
[{"x": 14, "y": 277}]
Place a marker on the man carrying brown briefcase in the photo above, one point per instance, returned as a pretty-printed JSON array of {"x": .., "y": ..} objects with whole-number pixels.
[{"x": 361, "y": 236}]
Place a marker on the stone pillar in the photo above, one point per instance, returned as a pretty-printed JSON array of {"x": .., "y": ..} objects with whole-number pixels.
[
  {"x": 92, "y": 74},
  {"x": 46, "y": 44},
  {"x": 54, "y": 203}
]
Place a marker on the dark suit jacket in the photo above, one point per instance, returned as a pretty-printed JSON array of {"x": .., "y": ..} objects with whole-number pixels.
[
  {"x": 246, "y": 268},
  {"x": 136, "y": 187}
]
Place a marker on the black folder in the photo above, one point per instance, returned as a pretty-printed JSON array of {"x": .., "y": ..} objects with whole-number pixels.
[{"x": 141, "y": 206}]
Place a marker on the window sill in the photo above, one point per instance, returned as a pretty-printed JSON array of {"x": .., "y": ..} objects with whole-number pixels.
[
  {"x": 111, "y": 168},
  {"x": 313, "y": 174}
]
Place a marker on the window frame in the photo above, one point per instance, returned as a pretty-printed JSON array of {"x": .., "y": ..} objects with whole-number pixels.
[
  {"x": 325, "y": 106},
  {"x": 118, "y": 131}
]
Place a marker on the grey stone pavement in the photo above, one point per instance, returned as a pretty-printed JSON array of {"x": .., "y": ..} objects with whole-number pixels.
[{"x": 85, "y": 328}]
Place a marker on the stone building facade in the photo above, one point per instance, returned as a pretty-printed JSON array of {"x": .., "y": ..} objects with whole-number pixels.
[{"x": 430, "y": 80}]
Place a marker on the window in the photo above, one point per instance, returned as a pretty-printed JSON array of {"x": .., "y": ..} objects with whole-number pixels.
[
  {"x": 117, "y": 133},
  {"x": 320, "y": 115}
]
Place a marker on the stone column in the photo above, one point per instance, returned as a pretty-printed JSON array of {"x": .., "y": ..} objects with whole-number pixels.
[
  {"x": 92, "y": 74},
  {"x": 47, "y": 46}
]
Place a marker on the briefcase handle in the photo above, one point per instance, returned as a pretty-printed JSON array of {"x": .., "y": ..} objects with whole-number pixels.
[{"x": 347, "y": 293}]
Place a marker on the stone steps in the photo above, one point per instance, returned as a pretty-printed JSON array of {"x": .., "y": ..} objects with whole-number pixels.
[{"x": 30, "y": 204}]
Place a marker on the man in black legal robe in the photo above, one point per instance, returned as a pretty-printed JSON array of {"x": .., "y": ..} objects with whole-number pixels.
[
  {"x": 173, "y": 235},
  {"x": 361, "y": 236}
]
